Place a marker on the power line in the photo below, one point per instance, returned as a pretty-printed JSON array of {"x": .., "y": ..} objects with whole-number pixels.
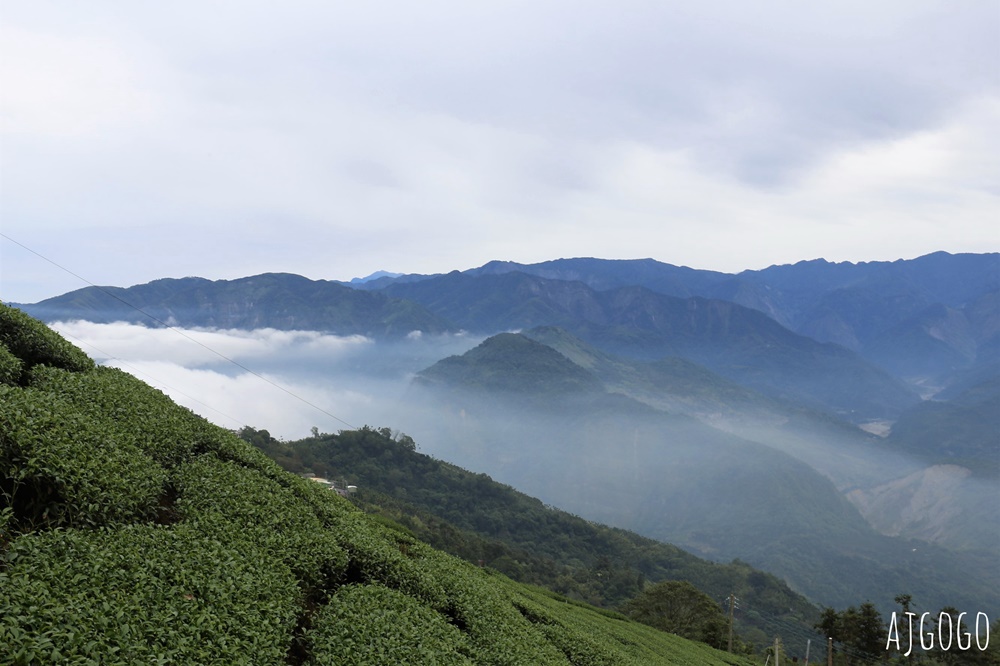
[
  {"x": 182, "y": 333},
  {"x": 125, "y": 363}
]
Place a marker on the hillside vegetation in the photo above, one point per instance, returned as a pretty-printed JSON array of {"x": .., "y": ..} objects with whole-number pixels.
[
  {"x": 618, "y": 461},
  {"x": 480, "y": 520},
  {"x": 132, "y": 531}
]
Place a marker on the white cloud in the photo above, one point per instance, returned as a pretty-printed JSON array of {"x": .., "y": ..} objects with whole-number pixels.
[
  {"x": 224, "y": 140},
  {"x": 284, "y": 381},
  {"x": 206, "y": 347},
  {"x": 286, "y": 406}
]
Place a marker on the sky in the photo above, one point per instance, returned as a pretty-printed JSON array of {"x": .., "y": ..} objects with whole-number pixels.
[{"x": 224, "y": 139}]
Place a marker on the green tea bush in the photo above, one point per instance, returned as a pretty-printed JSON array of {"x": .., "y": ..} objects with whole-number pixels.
[
  {"x": 589, "y": 636},
  {"x": 330, "y": 508},
  {"x": 34, "y": 343},
  {"x": 145, "y": 594},
  {"x": 480, "y": 602},
  {"x": 239, "y": 504},
  {"x": 372, "y": 624},
  {"x": 60, "y": 468},
  {"x": 380, "y": 556},
  {"x": 167, "y": 432},
  {"x": 10, "y": 366},
  {"x": 578, "y": 647}
]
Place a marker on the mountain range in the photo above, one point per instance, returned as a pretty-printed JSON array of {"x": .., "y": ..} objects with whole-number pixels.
[
  {"x": 811, "y": 419},
  {"x": 944, "y": 302},
  {"x": 528, "y": 415}
]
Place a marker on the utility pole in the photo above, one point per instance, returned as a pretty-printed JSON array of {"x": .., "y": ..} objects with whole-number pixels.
[
  {"x": 829, "y": 651},
  {"x": 808, "y": 645},
  {"x": 777, "y": 651},
  {"x": 732, "y": 602}
]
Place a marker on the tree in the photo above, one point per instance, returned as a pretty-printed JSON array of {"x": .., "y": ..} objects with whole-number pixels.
[
  {"x": 869, "y": 631},
  {"x": 829, "y": 624},
  {"x": 680, "y": 608},
  {"x": 860, "y": 631}
]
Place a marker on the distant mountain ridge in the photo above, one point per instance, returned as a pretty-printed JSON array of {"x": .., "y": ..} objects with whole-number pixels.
[
  {"x": 929, "y": 322},
  {"x": 767, "y": 371},
  {"x": 737, "y": 342},
  {"x": 271, "y": 300},
  {"x": 861, "y": 306}
]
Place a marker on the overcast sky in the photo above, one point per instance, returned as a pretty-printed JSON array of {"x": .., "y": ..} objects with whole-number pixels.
[{"x": 222, "y": 139}]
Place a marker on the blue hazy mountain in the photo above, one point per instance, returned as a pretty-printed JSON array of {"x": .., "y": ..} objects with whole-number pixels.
[
  {"x": 923, "y": 318},
  {"x": 635, "y": 383},
  {"x": 271, "y": 300},
  {"x": 736, "y": 342},
  {"x": 609, "y": 457}
]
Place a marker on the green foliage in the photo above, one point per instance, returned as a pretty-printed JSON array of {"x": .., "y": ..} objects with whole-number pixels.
[
  {"x": 480, "y": 520},
  {"x": 10, "y": 366},
  {"x": 589, "y": 637},
  {"x": 860, "y": 631},
  {"x": 680, "y": 608},
  {"x": 137, "y": 412},
  {"x": 371, "y": 624},
  {"x": 58, "y": 467},
  {"x": 34, "y": 343},
  {"x": 143, "y": 594},
  {"x": 236, "y": 504}
]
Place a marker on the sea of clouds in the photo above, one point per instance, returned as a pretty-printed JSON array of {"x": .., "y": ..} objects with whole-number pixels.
[{"x": 283, "y": 381}]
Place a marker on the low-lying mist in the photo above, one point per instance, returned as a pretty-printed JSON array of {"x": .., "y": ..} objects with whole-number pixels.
[
  {"x": 771, "y": 493},
  {"x": 232, "y": 377}
]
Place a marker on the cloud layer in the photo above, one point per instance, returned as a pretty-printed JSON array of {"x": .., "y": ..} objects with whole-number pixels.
[
  {"x": 283, "y": 381},
  {"x": 333, "y": 140}
]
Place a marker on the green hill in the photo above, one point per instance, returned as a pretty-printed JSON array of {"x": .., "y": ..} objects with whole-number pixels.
[
  {"x": 611, "y": 459},
  {"x": 964, "y": 430},
  {"x": 739, "y": 343},
  {"x": 480, "y": 520},
  {"x": 512, "y": 364},
  {"x": 132, "y": 531}
]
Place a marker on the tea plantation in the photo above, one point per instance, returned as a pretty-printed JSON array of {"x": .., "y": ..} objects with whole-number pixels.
[{"x": 134, "y": 532}]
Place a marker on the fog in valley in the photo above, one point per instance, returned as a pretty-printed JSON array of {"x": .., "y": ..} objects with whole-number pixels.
[
  {"x": 283, "y": 381},
  {"x": 808, "y": 497}
]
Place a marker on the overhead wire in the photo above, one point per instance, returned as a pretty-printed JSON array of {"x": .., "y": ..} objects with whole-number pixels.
[
  {"x": 125, "y": 363},
  {"x": 183, "y": 334}
]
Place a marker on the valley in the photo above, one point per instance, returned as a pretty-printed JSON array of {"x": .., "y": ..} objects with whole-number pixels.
[{"x": 780, "y": 417}]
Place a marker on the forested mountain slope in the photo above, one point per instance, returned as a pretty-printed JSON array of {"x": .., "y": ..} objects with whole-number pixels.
[
  {"x": 862, "y": 306},
  {"x": 132, "y": 531},
  {"x": 736, "y": 342},
  {"x": 472, "y": 516},
  {"x": 610, "y": 458},
  {"x": 271, "y": 300}
]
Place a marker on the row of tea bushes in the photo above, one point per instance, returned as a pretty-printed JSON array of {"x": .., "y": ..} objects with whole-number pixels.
[{"x": 146, "y": 594}]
